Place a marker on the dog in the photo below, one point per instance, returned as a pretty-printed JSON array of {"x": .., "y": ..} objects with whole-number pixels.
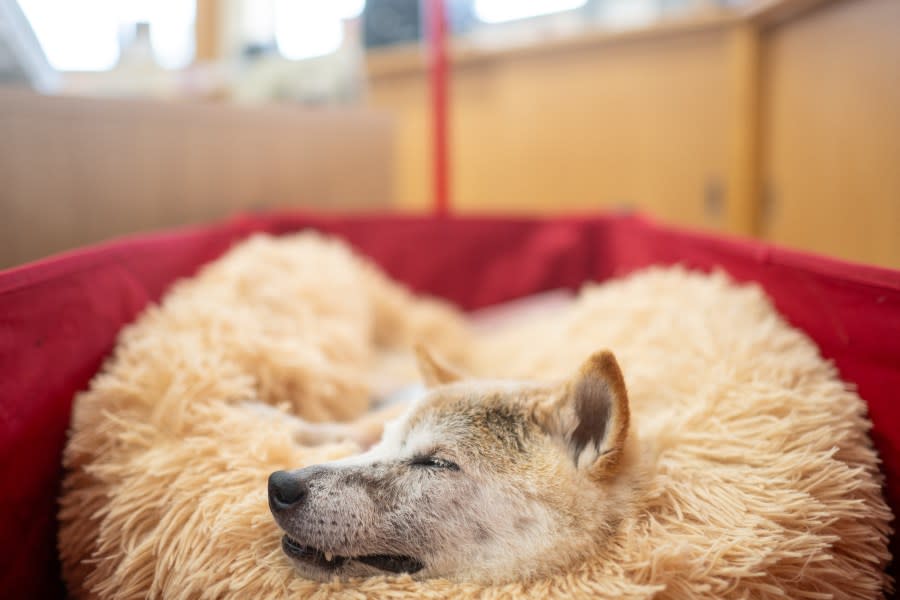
[{"x": 477, "y": 480}]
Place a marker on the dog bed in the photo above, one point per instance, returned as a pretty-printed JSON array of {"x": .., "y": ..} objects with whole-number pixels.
[{"x": 764, "y": 483}]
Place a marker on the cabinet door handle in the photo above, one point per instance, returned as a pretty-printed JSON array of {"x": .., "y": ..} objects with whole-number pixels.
[
  {"x": 768, "y": 206},
  {"x": 714, "y": 199}
]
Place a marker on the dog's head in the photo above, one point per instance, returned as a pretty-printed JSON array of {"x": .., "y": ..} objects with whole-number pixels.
[{"x": 481, "y": 480}]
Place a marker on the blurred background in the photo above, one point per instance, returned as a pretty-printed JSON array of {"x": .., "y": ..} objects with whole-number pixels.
[{"x": 774, "y": 119}]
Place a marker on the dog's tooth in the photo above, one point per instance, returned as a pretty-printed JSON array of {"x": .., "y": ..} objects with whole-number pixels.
[{"x": 329, "y": 556}]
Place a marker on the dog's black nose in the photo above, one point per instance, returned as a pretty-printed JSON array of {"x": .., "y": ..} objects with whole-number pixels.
[{"x": 286, "y": 489}]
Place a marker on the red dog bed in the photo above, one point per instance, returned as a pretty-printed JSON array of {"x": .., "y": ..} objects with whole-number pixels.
[{"x": 59, "y": 318}]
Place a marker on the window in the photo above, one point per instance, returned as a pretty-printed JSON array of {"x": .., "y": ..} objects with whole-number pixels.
[
  {"x": 309, "y": 28},
  {"x": 500, "y": 11},
  {"x": 88, "y": 35}
]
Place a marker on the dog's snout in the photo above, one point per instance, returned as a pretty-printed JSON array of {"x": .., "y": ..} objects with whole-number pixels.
[{"x": 286, "y": 489}]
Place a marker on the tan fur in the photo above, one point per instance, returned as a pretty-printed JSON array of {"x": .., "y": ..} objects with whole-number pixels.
[
  {"x": 762, "y": 482},
  {"x": 434, "y": 370},
  {"x": 602, "y": 371}
]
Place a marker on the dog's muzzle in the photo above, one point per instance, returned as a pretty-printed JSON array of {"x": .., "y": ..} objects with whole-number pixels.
[{"x": 289, "y": 490}]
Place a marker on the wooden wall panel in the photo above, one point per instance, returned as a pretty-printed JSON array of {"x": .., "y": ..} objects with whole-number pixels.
[
  {"x": 208, "y": 28},
  {"x": 75, "y": 170},
  {"x": 831, "y": 131},
  {"x": 405, "y": 98},
  {"x": 781, "y": 120},
  {"x": 637, "y": 122}
]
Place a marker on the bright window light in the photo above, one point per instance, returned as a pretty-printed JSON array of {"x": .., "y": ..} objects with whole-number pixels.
[
  {"x": 84, "y": 35},
  {"x": 172, "y": 31},
  {"x": 347, "y": 9},
  {"x": 256, "y": 21},
  {"x": 499, "y": 11},
  {"x": 310, "y": 28},
  {"x": 76, "y": 36},
  {"x": 628, "y": 13}
]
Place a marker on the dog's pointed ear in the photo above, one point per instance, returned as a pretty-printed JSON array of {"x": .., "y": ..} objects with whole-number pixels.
[
  {"x": 433, "y": 369},
  {"x": 592, "y": 415}
]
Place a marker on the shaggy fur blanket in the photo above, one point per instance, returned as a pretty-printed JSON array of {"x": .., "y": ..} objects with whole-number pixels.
[{"x": 763, "y": 482}]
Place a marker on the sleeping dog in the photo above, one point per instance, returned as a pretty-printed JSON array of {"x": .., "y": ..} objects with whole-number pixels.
[{"x": 476, "y": 480}]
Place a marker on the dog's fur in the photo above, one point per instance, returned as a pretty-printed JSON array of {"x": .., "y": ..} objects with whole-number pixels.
[{"x": 478, "y": 480}]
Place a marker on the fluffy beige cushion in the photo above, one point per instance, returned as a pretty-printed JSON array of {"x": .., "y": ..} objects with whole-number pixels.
[{"x": 763, "y": 480}]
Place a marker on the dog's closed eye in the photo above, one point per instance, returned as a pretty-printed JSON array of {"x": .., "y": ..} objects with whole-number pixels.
[{"x": 433, "y": 462}]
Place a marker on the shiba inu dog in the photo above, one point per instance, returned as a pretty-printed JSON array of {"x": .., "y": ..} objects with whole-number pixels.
[{"x": 478, "y": 480}]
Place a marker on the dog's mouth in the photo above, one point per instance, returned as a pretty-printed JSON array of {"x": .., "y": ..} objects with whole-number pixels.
[{"x": 327, "y": 561}]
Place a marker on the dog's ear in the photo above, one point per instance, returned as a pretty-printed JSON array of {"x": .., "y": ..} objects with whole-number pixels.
[
  {"x": 433, "y": 369},
  {"x": 592, "y": 416}
]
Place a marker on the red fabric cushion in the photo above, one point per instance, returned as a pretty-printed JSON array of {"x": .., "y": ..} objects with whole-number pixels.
[{"x": 59, "y": 318}]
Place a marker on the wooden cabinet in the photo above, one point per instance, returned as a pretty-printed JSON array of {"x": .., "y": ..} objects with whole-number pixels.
[
  {"x": 596, "y": 122},
  {"x": 831, "y": 131},
  {"x": 780, "y": 120}
]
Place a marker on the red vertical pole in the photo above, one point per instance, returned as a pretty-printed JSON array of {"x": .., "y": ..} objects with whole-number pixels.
[{"x": 439, "y": 87}]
